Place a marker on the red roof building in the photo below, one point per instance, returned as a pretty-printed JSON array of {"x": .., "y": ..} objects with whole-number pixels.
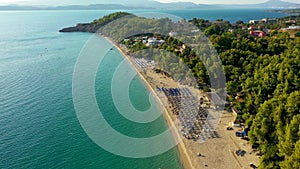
[{"x": 258, "y": 33}]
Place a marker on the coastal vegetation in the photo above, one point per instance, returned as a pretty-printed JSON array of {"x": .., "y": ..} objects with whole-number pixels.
[
  {"x": 262, "y": 72},
  {"x": 96, "y": 24},
  {"x": 263, "y": 83}
]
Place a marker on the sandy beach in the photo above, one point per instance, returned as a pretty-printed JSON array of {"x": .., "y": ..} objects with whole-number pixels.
[{"x": 215, "y": 152}]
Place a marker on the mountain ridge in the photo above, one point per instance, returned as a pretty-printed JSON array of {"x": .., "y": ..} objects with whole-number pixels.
[{"x": 151, "y": 4}]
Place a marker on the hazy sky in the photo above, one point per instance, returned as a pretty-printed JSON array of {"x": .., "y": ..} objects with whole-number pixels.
[{"x": 71, "y": 2}]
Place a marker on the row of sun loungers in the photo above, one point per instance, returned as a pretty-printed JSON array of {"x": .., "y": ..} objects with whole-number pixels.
[
  {"x": 176, "y": 91},
  {"x": 143, "y": 63},
  {"x": 192, "y": 117}
]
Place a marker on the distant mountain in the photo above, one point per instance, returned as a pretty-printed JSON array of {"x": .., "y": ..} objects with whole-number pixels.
[
  {"x": 149, "y": 5},
  {"x": 179, "y": 5},
  {"x": 278, "y": 4},
  {"x": 68, "y": 7},
  {"x": 18, "y": 7},
  {"x": 152, "y": 4},
  {"x": 89, "y": 7}
]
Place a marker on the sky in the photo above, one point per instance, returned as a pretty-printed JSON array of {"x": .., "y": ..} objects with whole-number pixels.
[{"x": 86, "y": 2}]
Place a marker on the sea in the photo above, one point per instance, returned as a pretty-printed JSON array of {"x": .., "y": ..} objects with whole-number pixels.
[{"x": 39, "y": 127}]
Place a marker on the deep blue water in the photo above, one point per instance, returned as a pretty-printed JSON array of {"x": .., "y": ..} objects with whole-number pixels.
[
  {"x": 38, "y": 124},
  {"x": 231, "y": 15}
]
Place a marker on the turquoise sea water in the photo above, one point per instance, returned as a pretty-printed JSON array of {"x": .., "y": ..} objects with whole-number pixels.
[{"x": 38, "y": 124}]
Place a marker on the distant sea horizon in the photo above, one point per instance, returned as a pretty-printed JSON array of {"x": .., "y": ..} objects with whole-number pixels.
[
  {"x": 38, "y": 124},
  {"x": 229, "y": 14}
]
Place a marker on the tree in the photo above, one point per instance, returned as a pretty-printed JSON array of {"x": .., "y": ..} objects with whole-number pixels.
[
  {"x": 213, "y": 29},
  {"x": 294, "y": 160},
  {"x": 239, "y": 22}
]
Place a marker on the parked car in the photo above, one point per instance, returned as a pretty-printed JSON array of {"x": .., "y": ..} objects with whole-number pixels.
[
  {"x": 229, "y": 128},
  {"x": 240, "y": 134},
  {"x": 245, "y": 138},
  {"x": 240, "y": 152},
  {"x": 253, "y": 166}
]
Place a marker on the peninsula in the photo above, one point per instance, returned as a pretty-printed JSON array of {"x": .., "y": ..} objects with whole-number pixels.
[{"x": 287, "y": 11}]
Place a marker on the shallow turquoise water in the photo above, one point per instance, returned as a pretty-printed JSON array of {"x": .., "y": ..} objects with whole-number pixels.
[{"x": 38, "y": 124}]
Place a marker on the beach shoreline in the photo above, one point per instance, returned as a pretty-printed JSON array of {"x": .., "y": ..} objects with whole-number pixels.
[
  {"x": 183, "y": 154},
  {"x": 210, "y": 153}
]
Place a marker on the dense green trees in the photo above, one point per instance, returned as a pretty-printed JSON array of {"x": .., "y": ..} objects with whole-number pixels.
[
  {"x": 98, "y": 23},
  {"x": 263, "y": 71},
  {"x": 276, "y": 128},
  {"x": 266, "y": 71},
  {"x": 94, "y": 26}
]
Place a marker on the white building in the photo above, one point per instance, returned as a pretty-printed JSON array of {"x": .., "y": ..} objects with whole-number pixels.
[
  {"x": 172, "y": 33},
  {"x": 254, "y": 21},
  {"x": 153, "y": 41},
  {"x": 293, "y": 27}
]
